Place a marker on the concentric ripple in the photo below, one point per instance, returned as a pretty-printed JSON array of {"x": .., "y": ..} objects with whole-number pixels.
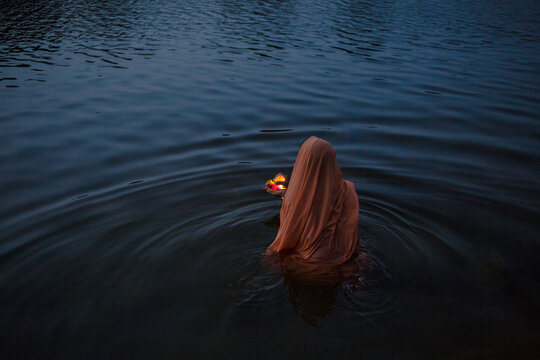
[{"x": 136, "y": 137}]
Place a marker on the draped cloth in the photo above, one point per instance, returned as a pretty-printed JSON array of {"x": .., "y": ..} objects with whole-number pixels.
[{"x": 318, "y": 230}]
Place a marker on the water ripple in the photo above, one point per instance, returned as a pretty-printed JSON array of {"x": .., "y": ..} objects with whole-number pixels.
[{"x": 136, "y": 137}]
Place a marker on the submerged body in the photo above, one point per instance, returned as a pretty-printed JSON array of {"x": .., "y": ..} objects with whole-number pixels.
[{"x": 319, "y": 215}]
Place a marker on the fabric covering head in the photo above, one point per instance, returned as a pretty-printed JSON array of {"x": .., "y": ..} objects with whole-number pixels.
[{"x": 319, "y": 214}]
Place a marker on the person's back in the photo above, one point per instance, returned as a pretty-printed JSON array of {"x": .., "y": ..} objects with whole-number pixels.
[{"x": 319, "y": 214}]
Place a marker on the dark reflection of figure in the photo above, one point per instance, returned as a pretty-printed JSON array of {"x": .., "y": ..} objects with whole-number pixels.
[
  {"x": 311, "y": 297},
  {"x": 311, "y": 300}
]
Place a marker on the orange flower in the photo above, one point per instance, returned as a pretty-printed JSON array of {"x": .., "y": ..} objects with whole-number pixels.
[{"x": 271, "y": 184}]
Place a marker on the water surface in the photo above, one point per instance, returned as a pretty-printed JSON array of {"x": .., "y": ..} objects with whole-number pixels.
[{"x": 136, "y": 137}]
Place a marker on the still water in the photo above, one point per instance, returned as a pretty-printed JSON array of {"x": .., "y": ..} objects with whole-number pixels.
[{"x": 136, "y": 137}]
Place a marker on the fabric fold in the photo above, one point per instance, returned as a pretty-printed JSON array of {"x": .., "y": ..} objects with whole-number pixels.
[{"x": 319, "y": 213}]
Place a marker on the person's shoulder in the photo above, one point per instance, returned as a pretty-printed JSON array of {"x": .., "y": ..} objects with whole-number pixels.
[
  {"x": 350, "y": 185},
  {"x": 352, "y": 196}
]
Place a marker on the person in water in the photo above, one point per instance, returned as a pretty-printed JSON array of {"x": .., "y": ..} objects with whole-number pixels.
[{"x": 318, "y": 231}]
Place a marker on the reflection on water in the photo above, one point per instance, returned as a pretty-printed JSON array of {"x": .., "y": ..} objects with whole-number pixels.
[
  {"x": 314, "y": 300},
  {"x": 311, "y": 300},
  {"x": 313, "y": 294},
  {"x": 137, "y": 135}
]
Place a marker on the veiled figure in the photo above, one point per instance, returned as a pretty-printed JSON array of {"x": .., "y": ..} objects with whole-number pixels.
[{"x": 318, "y": 233}]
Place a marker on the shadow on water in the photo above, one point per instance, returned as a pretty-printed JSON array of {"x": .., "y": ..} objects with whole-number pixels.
[
  {"x": 311, "y": 301},
  {"x": 314, "y": 299}
]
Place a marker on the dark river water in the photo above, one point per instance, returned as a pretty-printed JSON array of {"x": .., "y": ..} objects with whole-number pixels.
[{"x": 136, "y": 137}]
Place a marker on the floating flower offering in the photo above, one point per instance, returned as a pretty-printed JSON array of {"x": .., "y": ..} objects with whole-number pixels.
[{"x": 271, "y": 184}]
